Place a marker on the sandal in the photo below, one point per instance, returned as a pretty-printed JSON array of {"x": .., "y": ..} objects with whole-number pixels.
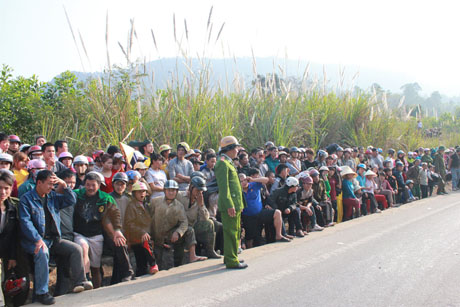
[{"x": 283, "y": 239}]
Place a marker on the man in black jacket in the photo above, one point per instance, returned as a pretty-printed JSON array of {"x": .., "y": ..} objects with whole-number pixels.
[{"x": 285, "y": 199}]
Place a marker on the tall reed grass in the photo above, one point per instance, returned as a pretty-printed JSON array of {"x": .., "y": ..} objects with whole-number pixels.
[{"x": 191, "y": 108}]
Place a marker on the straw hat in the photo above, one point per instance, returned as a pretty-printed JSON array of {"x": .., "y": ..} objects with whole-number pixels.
[
  {"x": 346, "y": 170},
  {"x": 140, "y": 165},
  {"x": 370, "y": 173}
]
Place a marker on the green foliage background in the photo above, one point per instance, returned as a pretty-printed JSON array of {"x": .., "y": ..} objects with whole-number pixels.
[{"x": 102, "y": 111}]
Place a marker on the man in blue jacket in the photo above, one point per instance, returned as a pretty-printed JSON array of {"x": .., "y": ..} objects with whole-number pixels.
[
  {"x": 40, "y": 225},
  {"x": 403, "y": 194}
]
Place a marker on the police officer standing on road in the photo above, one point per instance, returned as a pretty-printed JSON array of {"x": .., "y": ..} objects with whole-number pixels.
[{"x": 231, "y": 201}]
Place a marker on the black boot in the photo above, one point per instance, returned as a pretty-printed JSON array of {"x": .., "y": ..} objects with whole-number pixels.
[{"x": 46, "y": 299}]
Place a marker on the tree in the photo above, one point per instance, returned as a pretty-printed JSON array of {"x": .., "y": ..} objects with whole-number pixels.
[
  {"x": 457, "y": 113},
  {"x": 21, "y": 107},
  {"x": 62, "y": 89},
  {"x": 411, "y": 92},
  {"x": 377, "y": 88},
  {"x": 434, "y": 100}
]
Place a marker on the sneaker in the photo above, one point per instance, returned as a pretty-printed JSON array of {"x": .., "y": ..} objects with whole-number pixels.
[
  {"x": 126, "y": 279},
  {"x": 153, "y": 269},
  {"x": 46, "y": 299},
  {"x": 78, "y": 289},
  {"x": 317, "y": 228},
  {"x": 331, "y": 224},
  {"x": 378, "y": 211},
  {"x": 87, "y": 285}
]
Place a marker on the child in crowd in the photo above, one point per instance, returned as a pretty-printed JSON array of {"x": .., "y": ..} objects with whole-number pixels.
[
  {"x": 137, "y": 227},
  {"x": 410, "y": 185},
  {"x": 423, "y": 178},
  {"x": 368, "y": 193}
]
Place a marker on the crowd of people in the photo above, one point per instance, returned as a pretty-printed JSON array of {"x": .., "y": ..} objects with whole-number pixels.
[{"x": 165, "y": 210}]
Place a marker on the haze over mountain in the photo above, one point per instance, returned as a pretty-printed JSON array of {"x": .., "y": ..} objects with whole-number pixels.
[{"x": 223, "y": 70}]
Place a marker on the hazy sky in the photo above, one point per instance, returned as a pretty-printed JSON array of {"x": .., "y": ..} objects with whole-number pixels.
[{"x": 417, "y": 38}]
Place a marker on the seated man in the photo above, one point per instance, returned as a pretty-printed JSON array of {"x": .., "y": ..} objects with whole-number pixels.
[
  {"x": 96, "y": 212},
  {"x": 63, "y": 266},
  {"x": 40, "y": 224},
  {"x": 285, "y": 199},
  {"x": 260, "y": 163},
  {"x": 170, "y": 229},
  {"x": 119, "y": 183},
  {"x": 81, "y": 165},
  {"x": 198, "y": 215},
  {"x": 244, "y": 163},
  {"x": 254, "y": 216},
  {"x": 308, "y": 204},
  {"x": 319, "y": 193},
  {"x": 403, "y": 194}
]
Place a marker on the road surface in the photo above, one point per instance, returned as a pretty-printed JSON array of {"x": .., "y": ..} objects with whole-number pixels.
[{"x": 407, "y": 256}]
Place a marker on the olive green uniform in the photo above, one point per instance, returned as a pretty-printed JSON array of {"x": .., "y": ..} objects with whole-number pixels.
[
  {"x": 198, "y": 218},
  {"x": 167, "y": 219},
  {"x": 230, "y": 196},
  {"x": 440, "y": 167}
]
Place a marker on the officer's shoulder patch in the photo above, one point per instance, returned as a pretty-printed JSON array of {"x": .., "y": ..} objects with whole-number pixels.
[{"x": 222, "y": 158}]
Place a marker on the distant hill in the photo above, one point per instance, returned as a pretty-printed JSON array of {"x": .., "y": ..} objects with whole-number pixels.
[{"x": 223, "y": 72}]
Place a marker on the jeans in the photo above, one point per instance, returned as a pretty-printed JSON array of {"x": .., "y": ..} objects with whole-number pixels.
[
  {"x": 61, "y": 248},
  {"x": 373, "y": 206},
  {"x": 293, "y": 221},
  {"x": 403, "y": 194},
  {"x": 455, "y": 177},
  {"x": 424, "y": 189}
]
